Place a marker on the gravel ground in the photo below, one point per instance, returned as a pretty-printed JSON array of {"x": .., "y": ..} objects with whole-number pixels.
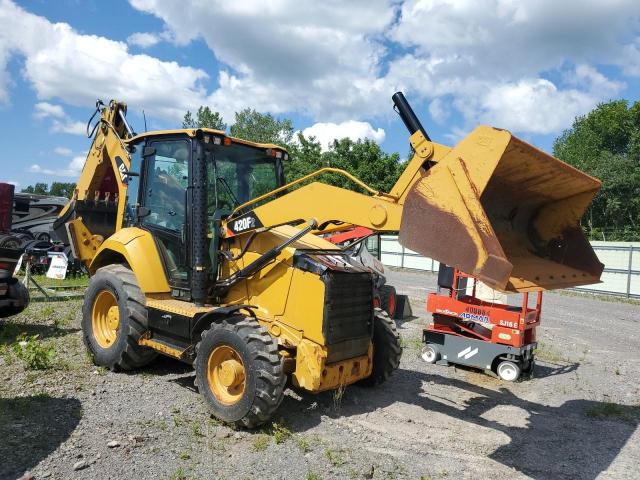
[{"x": 578, "y": 418}]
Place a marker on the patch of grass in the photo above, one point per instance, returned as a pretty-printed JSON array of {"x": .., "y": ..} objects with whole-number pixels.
[
  {"x": 102, "y": 371},
  {"x": 280, "y": 433},
  {"x": 47, "y": 311},
  {"x": 260, "y": 442},
  {"x": 33, "y": 353},
  {"x": 185, "y": 455},
  {"x": 179, "y": 474},
  {"x": 303, "y": 444},
  {"x": 196, "y": 429},
  {"x": 312, "y": 476},
  {"x": 612, "y": 410},
  {"x": 597, "y": 296},
  {"x": 544, "y": 352},
  {"x": 335, "y": 457}
]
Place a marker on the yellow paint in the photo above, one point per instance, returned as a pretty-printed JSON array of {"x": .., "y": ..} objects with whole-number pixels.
[
  {"x": 313, "y": 374},
  {"x": 160, "y": 347},
  {"x": 84, "y": 244},
  {"x": 226, "y": 375},
  {"x": 105, "y": 319},
  {"x": 139, "y": 250}
]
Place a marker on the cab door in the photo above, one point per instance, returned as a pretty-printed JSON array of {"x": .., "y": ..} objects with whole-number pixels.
[{"x": 166, "y": 181}]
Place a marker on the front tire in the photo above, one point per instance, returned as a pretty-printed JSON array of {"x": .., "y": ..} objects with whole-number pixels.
[
  {"x": 240, "y": 372},
  {"x": 387, "y": 349},
  {"x": 114, "y": 318}
]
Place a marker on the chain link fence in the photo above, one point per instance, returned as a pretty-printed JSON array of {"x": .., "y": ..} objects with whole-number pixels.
[{"x": 621, "y": 260}]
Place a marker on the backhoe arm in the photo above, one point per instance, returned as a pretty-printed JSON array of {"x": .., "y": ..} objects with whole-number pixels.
[{"x": 96, "y": 208}]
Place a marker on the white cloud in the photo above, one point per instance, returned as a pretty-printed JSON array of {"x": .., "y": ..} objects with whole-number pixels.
[
  {"x": 14, "y": 183},
  {"x": 58, "y": 118},
  {"x": 143, "y": 39},
  {"x": 69, "y": 126},
  {"x": 332, "y": 60},
  {"x": 320, "y": 58},
  {"x": 72, "y": 170},
  {"x": 61, "y": 63},
  {"x": 326, "y": 133},
  {"x": 46, "y": 110},
  {"x": 500, "y": 61},
  {"x": 63, "y": 151}
]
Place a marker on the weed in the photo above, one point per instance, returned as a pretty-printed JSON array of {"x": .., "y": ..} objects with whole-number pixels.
[
  {"x": 179, "y": 474},
  {"x": 6, "y": 353},
  {"x": 303, "y": 444},
  {"x": 312, "y": 476},
  {"x": 163, "y": 425},
  {"x": 612, "y": 410},
  {"x": 33, "y": 354},
  {"x": 47, "y": 311},
  {"x": 335, "y": 457},
  {"x": 338, "y": 395},
  {"x": 176, "y": 421},
  {"x": 185, "y": 456},
  {"x": 280, "y": 433},
  {"x": 617, "y": 372},
  {"x": 195, "y": 428},
  {"x": 102, "y": 371},
  {"x": 260, "y": 442}
]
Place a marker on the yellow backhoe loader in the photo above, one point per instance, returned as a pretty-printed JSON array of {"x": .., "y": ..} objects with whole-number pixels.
[{"x": 198, "y": 250}]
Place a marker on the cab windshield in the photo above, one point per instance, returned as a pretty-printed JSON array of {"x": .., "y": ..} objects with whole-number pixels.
[{"x": 242, "y": 173}]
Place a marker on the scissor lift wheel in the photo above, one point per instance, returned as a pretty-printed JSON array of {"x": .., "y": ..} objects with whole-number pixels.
[
  {"x": 508, "y": 371},
  {"x": 430, "y": 353}
]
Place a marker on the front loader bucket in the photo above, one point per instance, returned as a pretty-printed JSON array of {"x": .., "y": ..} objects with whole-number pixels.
[{"x": 504, "y": 211}]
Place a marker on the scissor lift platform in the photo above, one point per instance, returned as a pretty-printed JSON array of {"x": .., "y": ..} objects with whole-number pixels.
[{"x": 466, "y": 330}]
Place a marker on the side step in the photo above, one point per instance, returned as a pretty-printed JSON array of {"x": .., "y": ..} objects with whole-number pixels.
[{"x": 169, "y": 347}]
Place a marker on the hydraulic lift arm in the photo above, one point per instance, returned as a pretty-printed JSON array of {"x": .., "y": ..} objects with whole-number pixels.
[{"x": 492, "y": 206}]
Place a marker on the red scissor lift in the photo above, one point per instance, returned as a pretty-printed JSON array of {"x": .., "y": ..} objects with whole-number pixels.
[{"x": 467, "y": 330}]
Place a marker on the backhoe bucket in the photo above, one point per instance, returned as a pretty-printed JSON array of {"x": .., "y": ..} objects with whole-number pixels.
[{"x": 502, "y": 210}]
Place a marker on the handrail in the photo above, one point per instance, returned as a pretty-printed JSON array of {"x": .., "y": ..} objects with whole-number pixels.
[{"x": 307, "y": 177}]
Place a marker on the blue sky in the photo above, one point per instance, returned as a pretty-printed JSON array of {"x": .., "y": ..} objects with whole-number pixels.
[{"x": 331, "y": 67}]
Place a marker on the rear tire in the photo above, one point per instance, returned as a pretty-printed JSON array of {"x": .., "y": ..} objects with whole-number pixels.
[
  {"x": 240, "y": 372},
  {"x": 115, "y": 345},
  {"x": 386, "y": 349}
]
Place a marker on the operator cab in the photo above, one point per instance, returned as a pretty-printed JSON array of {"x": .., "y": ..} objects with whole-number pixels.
[{"x": 161, "y": 181}]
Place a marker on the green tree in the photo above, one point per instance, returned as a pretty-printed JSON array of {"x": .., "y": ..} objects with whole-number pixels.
[
  {"x": 605, "y": 143},
  {"x": 37, "y": 189},
  {"x": 205, "y": 118},
  {"x": 62, "y": 189},
  {"x": 262, "y": 128}
]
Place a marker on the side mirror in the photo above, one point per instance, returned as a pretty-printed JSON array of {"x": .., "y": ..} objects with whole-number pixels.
[{"x": 142, "y": 212}]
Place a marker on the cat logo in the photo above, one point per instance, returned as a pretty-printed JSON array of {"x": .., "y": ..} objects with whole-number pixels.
[{"x": 122, "y": 170}]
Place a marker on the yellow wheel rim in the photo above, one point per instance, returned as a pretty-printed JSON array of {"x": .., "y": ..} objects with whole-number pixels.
[
  {"x": 226, "y": 375},
  {"x": 105, "y": 319}
]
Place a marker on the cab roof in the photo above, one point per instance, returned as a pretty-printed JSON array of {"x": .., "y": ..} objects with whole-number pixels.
[{"x": 192, "y": 133}]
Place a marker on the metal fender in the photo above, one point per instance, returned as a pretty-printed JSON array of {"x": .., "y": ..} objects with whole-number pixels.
[{"x": 138, "y": 248}]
